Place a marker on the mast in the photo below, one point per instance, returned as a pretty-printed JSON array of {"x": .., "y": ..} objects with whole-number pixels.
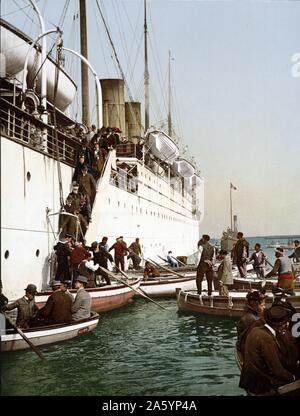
[
  {"x": 231, "y": 206},
  {"x": 84, "y": 68},
  {"x": 146, "y": 71},
  {"x": 169, "y": 113}
]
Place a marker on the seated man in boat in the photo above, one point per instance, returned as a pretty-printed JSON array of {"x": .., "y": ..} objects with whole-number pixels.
[
  {"x": 58, "y": 306},
  {"x": 224, "y": 273},
  {"x": 27, "y": 308},
  {"x": 170, "y": 259},
  {"x": 81, "y": 308},
  {"x": 264, "y": 366},
  {"x": 150, "y": 271},
  {"x": 283, "y": 267},
  {"x": 253, "y": 316}
]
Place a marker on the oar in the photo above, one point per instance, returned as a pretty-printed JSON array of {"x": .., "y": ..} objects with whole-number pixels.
[
  {"x": 180, "y": 262},
  {"x": 32, "y": 346},
  {"x": 166, "y": 269},
  {"x": 139, "y": 291}
]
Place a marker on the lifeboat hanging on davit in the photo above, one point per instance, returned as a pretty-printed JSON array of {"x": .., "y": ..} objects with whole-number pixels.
[
  {"x": 183, "y": 168},
  {"x": 162, "y": 146},
  {"x": 14, "y": 48}
]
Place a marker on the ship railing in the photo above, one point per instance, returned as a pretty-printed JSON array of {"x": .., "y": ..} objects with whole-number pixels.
[
  {"x": 28, "y": 129},
  {"x": 129, "y": 149},
  {"x": 125, "y": 180}
]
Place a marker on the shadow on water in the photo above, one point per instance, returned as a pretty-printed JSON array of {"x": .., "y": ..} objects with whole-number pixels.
[{"x": 136, "y": 350}]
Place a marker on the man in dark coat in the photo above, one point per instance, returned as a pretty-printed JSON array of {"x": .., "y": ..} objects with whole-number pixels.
[
  {"x": 27, "y": 308},
  {"x": 87, "y": 185},
  {"x": 240, "y": 253},
  {"x": 264, "y": 367},
  {"x": 63, "y": 252},
  {"x": 205, "y": 266},
  {"x": 58, "y": 306},
  {"x": 253, "y": 317},
  {"x": 101, "y": 257}
]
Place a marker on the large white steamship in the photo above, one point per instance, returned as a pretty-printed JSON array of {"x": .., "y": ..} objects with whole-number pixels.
[{"x": 160, "y": 201}]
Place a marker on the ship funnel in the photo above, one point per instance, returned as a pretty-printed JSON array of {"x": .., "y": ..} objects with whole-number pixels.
[
  {"x": 133, "y": 119},
  {"x": 113, "y": 103}
]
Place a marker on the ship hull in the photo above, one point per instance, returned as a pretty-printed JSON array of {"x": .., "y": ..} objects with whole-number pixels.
[{"x": 30, "y": 188}]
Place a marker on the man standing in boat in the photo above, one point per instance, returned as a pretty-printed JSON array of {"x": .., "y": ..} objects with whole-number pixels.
[
  {"x": 283, "y": 267},
  {"x": 259, "y": 261},
  {"x": 205, "y": 266},
  {"x": 224, "y": 273},
  {"x": 240, "y": 254},
  {"x": 296, "y": 254}
]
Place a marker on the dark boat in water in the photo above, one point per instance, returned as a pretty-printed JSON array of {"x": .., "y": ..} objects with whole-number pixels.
[
  {"x": 252, "y": 283},
  {"x": 232, "y": 306}
]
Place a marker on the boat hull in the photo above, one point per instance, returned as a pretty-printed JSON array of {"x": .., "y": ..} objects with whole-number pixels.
[
  {"x": 48, "y": 335},
  {"x": 103, "y": 298},
  {"x": 167, "y": 287},
  {"x": 233, "y": 306},
  {"x": 256, "y": 284}
]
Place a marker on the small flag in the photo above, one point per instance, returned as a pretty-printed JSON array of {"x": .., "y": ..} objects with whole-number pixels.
[{"x": 232, "y": 187}]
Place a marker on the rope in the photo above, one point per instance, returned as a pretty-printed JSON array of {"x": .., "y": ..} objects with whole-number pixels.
[{"x": 57, "y": 69}]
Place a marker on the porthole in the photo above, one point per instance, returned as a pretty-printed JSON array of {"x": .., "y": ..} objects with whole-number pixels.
[
  {"x": 37, "y": 253},
  {"x": 6, "y": 254},
  {"x": 28, "y": 176}
]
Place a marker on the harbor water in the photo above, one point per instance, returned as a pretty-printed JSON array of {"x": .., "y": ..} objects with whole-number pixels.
[{"x": 138, "y": 350}]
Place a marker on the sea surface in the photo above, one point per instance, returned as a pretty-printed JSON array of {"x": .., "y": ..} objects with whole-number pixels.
[{"x": 137, "y": 350}]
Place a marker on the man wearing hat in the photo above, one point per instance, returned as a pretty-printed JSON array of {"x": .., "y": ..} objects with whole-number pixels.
[
  {"x": 121, "y": 250},
  {"x": 205, "y": 266},
  {"x": 240, "y": 253},
  {"x": 63, "y": 252},
  {"x": 253, "y": 316},
  {"x": 26, "y": 306},
  {"x": 265, "y": 367},
  {"x": 81, "y": 308},
  {"x": 87, "y": 185},
  {"x": 282, "y": 267},
  {"x": 58, "y": 306}
]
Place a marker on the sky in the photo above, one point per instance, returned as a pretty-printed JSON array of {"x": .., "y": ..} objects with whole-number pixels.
[{"x": 235, "y": 92}]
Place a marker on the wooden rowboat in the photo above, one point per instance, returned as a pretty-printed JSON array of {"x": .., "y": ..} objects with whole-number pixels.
[
  {"x": 287, "y": 389},
  {"x": 165, "y": 286},
  {"x": 232, "y": 306},
  {"x": 256, "y": 284},
  {"x": 12, "y": 341},
  {"x": 104, "y": 298}
]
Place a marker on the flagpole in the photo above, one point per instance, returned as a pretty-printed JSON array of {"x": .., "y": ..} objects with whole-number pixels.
[{"x": 230, "y": 206}]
